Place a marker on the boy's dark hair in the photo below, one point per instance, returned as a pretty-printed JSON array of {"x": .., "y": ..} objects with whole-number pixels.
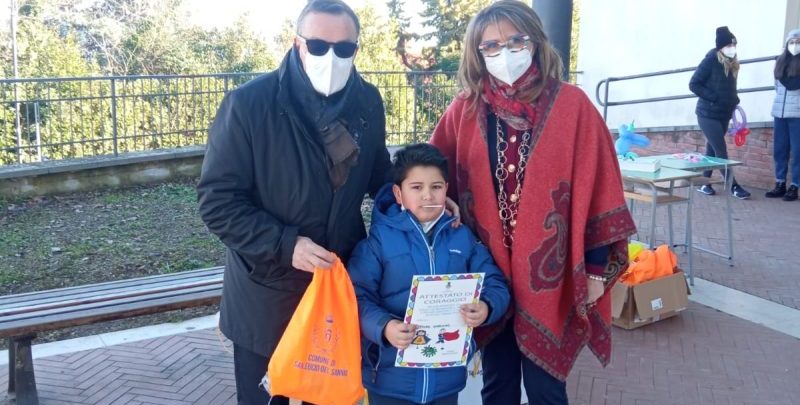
[
  {"x": 334, "y": 7},
  {"x": 420, "y": 154}
]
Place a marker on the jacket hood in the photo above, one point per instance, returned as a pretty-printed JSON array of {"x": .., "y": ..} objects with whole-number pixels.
[
  {"x": 791, "y": 35},
  {"x": 386, "y": 212}
]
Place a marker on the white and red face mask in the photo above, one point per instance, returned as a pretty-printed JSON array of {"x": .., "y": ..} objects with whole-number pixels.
[{"x": 509, "y": 66}]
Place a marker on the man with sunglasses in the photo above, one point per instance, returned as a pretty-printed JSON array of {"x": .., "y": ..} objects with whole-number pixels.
[{"x": 290, "y": 156}]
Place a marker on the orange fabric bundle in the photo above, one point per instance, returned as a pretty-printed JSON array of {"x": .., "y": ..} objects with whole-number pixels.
[
  {"x": 650, "y": 265},
  {"x": 318, "y": 358}
]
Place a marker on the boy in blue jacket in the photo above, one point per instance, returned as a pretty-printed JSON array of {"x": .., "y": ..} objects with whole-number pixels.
[{"x": 412, "y": 235}]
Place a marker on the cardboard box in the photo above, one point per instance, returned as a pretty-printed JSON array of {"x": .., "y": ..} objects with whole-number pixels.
[{"x": 639, "y": 305}]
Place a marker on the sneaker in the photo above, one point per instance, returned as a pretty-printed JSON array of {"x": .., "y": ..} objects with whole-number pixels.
[
  {"x": 739, "y": 192},
  {"x": 707, "y": 190},
  {"x": 791, "y": 193},
  {"x": 778, "y": 191}
]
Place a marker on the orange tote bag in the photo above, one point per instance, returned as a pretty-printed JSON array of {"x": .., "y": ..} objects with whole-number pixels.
[{"x": 318, "y": 358}]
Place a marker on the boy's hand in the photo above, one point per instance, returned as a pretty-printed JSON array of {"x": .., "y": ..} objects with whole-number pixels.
[
  {"x": 399, "y": 334},
  {"x": 475, "y": 314}
]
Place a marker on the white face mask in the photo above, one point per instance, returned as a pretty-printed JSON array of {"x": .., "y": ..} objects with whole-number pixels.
[
  {"x": 328, "y": 73},
  {"x": 426, "y": 226},
  {"x": 794, "y": 49},
  {"x": 729, "y": 51},
  {"x": 508, "y": 66}
]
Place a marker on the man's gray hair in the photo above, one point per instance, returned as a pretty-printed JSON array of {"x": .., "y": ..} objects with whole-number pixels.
[{"x": 335, "y": 7}]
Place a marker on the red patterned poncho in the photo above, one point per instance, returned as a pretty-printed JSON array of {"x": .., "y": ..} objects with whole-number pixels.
[{"x": 571, "y": 202}]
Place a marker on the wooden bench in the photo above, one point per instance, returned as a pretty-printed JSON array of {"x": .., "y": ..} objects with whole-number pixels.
[{"x": 22, "y": 316}]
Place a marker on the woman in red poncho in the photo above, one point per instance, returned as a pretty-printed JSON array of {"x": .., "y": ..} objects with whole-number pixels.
[{"x": 536, "y": 177}]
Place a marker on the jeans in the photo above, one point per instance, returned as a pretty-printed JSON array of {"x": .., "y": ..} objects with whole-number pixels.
[
  {"x": 504, "y": 367},
  {"x": 786, "y": 144},
  {"x": 375, "y": 399}
]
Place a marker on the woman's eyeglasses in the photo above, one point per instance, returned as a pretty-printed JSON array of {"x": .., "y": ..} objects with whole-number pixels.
[
  {"x": 514, "y": 44},
  {"x": 318, "y": 47}
]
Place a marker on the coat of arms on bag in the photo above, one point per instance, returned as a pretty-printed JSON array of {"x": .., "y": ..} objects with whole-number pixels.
[{"x": 325, "y": 337}]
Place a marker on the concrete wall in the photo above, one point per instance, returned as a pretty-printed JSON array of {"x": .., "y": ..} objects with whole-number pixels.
[
  {"x": 61, "y": 177},
  {"x": 626, "y": 37}
]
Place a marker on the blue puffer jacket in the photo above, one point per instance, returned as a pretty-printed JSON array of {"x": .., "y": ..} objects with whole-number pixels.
[{"x": 381, "y": 269}]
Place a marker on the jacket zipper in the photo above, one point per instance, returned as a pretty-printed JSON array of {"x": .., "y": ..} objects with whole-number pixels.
[
  {"x": 432, "y": 271},
  {"x": 377, "y": 363},
  {"x": 430, "y": 246},
  {"x": 783, "y": 107},
  {"x": 431, "y": 262}
]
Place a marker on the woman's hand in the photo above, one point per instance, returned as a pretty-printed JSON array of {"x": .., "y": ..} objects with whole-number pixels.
[
  {"x": 452, "y": 208},
  {"x": 399, "y": 334},
  {"x": 596, "y": 290}
]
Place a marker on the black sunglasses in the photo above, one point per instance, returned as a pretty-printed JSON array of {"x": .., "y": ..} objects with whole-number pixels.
[{"x": 318, "y": 47}]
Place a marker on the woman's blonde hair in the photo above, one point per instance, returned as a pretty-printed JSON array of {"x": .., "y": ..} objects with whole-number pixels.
[
  {"x": 472, "y": 69},
  {"x": 729, "y": 64}
]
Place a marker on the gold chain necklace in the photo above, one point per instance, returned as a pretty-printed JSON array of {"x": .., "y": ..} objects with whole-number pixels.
[{"x": 509, "y": 205}]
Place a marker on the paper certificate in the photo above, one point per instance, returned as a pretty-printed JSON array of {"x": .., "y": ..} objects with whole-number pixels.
[{"x": 442, "y": 338}]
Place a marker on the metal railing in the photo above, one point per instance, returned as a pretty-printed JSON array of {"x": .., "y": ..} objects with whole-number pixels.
[
  {"x": 414, "y": 101},
  {"x": 605, "y": 103},
  {"x": 62, "y": 118}
]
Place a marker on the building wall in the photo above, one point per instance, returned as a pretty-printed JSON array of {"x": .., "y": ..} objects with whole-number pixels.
[{"x": 626, "y": 37}]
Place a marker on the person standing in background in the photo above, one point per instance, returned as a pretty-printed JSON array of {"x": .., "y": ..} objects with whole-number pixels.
[
  {"x": 714, "y": 83},
  {"x": 786, "y": 110}
]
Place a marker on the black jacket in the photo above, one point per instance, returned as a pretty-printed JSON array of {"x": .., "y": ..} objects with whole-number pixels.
[
  {"x": 264, "y": 181},
  {"x": 716, "y": 92}
]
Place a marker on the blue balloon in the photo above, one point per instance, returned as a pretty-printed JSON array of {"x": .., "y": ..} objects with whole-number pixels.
[{"x": 627, "y": 139}]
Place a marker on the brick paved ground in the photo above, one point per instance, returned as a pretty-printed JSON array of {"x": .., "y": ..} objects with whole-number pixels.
[
  {"x": 766, "y": 243},
  {"x": 191, "y": 368},
  {"x": 701, "y": 357}
]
